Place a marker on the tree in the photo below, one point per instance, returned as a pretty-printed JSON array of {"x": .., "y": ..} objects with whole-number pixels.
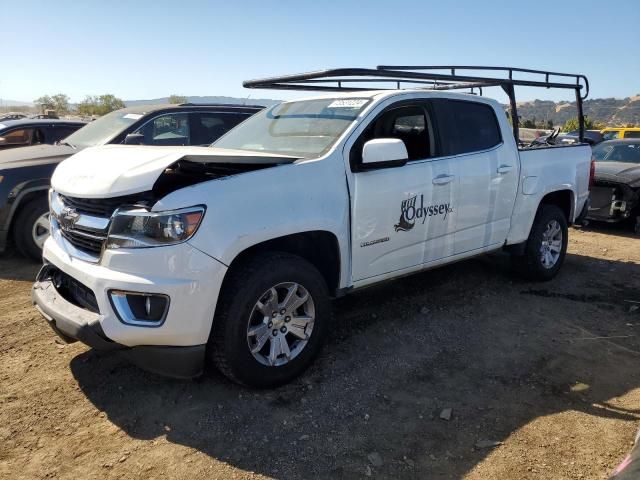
[
  {"x": 44, "y": 103},
  {"x": 99, "y": 105},
  {"x": 108, "y": 103},
  {"x": 58, "y": 102},
  {"x": 177, "y": 99},
  {"x": 572, "y": 125},
  {"x": 61, "y": 103},
  {"x": 88, "y": 106}
]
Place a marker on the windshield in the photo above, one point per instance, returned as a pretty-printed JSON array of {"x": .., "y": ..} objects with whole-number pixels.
[
  {"x": 103, "y": 129},
  {"x": 623, "y": 152},
  {"x": 305, "y": 129}
]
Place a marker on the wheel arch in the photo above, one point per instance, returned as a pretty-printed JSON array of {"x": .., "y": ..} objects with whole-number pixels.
[
  {"x": 527, "y": 207},
  {"x": 563, "y": 199},
  {"x": 23, "y": 198},
  {"x": 319, "y": 247}
]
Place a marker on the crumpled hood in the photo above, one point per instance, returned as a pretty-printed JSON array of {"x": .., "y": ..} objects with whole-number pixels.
[
  {"x": 620, "y": 172},
  {"x": 36, "y": 154},
  {"x": 117, "y": 170}
]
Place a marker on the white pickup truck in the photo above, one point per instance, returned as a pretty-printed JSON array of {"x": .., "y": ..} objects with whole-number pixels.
[{"x": 229, "y": 255}]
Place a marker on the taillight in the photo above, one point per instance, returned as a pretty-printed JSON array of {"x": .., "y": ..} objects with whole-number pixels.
[{"x": 592, "y": 172}]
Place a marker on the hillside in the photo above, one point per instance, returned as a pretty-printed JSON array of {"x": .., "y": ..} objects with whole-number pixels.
[
  {"x": 207, "y": 99},
  {"x": 608, "y": 111}
]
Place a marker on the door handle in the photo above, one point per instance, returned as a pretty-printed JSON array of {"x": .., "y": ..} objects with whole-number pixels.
[
  {"x": 504, "y": 168},
  {"x": 442, "y": 179}
]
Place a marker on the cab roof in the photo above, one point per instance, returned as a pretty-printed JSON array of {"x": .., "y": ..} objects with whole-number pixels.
[{"x": 26, "y": 122}]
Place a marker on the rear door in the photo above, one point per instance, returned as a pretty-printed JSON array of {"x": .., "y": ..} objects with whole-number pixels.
[
  {"x": 488, "y": 172},
  {"x": 400, "y": 213}
]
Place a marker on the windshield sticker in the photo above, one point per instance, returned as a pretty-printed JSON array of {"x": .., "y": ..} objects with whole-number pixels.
[
  {"x": 409, "y": 212},
  {"x": 133, "y": 116},
  {"x": 348, "y": 103}
]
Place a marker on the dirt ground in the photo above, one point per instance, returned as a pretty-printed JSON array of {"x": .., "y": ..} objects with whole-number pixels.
[{"x": 542, "y": 381}]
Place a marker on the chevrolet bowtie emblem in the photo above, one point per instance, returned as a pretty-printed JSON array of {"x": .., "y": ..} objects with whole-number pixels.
[{"x": 68, "y": 218}]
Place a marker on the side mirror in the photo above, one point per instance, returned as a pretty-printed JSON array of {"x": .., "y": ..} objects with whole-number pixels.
[
  {"x": 384, "y": 153},
  {"x": 134, "y": 139}
]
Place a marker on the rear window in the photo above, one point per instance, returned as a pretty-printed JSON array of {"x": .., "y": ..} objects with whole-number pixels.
[
  {"x": 633, "y": 134},
  {"x": 476, "y": 127}
]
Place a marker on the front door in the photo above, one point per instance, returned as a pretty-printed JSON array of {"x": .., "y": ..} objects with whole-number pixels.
[{"x": 400, "y": 213}]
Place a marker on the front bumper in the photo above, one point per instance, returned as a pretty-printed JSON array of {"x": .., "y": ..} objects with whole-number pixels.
[
  {"x": 72, "y": 323},
  {"x": 187, "y": 276}
]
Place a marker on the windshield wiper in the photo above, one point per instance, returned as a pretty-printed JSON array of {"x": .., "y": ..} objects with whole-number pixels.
[{"x": 64, "y": 142}]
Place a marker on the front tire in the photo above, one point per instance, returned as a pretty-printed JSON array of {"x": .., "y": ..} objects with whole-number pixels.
[
  {"x": 31, "y": 228},
  {"x": 546, "y": 246},
  {"x": 271, "y": 320}
]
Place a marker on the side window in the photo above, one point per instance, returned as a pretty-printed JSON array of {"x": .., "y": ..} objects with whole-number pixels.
[
  {"x": 58, "y": 133},
  {"x": 171, "y": 129},
  {"x": 18, "y": 137},
  {"x": 411, "y": 124},
  {"x": 207, "y": 127},
  {"x": 632, "y": 135},
  {"x": 476, "y": 127}
]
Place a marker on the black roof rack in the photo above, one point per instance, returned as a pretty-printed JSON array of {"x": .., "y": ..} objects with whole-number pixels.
[{"x": 432, "y": 78}]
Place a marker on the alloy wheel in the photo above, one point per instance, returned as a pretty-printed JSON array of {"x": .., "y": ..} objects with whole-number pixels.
[
  {"x": 280, "y": 324},
  {"x": 551, "y": 245}
]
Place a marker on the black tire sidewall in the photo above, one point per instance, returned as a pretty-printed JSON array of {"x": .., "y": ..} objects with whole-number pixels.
[
  {"x": 266, "y": 272},
  {"x": 535, "y": 268},
  {"x": 23, "y": 227}
]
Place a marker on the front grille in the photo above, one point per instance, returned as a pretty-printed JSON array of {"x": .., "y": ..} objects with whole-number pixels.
[
  {"x": 83, "y": 235},
  {"x": 89, "y": 242},
  {"x": 104, "y": 207}
]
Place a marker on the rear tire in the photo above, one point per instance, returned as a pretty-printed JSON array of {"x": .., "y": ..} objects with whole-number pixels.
[
  {"x": 31, "y": 228},
  {"x": 252, "y": 322},
  {"x": 546, "y": 246}
]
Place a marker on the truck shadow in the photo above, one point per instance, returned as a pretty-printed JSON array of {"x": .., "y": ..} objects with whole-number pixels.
[{"x": 499, "y": 352}]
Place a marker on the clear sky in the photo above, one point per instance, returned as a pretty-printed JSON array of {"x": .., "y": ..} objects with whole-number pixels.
[{"x": 152, "y": 48}]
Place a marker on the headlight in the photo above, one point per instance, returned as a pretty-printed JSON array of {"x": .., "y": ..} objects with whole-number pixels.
[{"x": 143, "y": 229}]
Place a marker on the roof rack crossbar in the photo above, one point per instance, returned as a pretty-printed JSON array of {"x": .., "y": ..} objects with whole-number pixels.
[{"x": 510, "y": 70}]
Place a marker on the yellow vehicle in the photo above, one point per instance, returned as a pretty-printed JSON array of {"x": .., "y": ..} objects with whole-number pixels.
[{"x": 622, "y": 132}]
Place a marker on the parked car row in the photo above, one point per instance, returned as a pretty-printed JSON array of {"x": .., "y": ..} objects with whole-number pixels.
[{"x": 25, "y": 172}]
